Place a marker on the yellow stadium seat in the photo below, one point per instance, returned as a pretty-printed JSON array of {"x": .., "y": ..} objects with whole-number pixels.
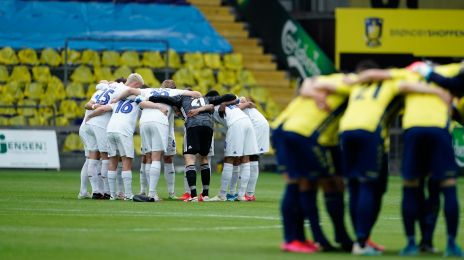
[
  {"x": 110, "y": 58},
  {"x": 82, "y": 74},
  {"x": 227, "y": 77},
  {"x": 8, "y": 56},
  {"x": 178, "y": 123},
  {"x": 61, "y": 121},
  {"x": 236, "y": 89},
  {"x": 75, "y": 90},
  {"x": 72, "y": 143},
  {"x": 148, "y": 77},
  {"x": 212, "y": 60},
  {"x": 233, "y": 61},
  {"x": 3, "y": 74},
  {"x": 130, "y": 58},
  {"x": 137, "y": 144},
  {"x": 102, "y": 73},
  {"x": 184, "y": 77},
  {"x": 74, "y": 57},
  {"x": 50, "y": 57},
  {"x": 41, "y": 73},
  {"x": 259, "y": 93},
  {"x": 14, "y": 89},
  {"x": 34, "y": 90},
  {"x": 4, "y": 121},
  {"x": 153, "y": 59},
  {"x": 20, "y": 74},
  {"x": 28, "y": 56},
  {"x": 122, "y": 72},
  {"x": 55, "y": 89},
  {"x": 245, "y": 77},
  {"x": 7, "y": 111},
  {"x": 193, "y": 60},
  {"x": 179, "y": 142},
  {"x": 69, "y": 108},
  {"x": 174, "y": 59},
  {"x": 204, "y": 77},
  {"x": 90, "y": 91},
  {"x": 27, "y": 111},
  {"x": 90, "y": 57},
  {"x": 18, "y": 121},
  {"x": 201, "y": 88},
  {"x": 38, "y": 121}
]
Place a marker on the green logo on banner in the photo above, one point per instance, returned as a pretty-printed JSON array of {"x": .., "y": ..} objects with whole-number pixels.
[
  {"x": 3, "y": 146},
  {"x": 458, "y": 144}
]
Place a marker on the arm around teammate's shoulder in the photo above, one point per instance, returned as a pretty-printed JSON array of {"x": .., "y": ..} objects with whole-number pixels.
[
  {"x": 99, "y": 111},
  {"x": 172, "y": 101}
]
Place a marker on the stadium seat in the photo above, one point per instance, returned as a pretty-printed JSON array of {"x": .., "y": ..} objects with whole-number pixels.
[
  {"x": 3, "y": 74},
  {"x": 193, "y": 60},
  {"x": 90, "y": 57},
  {"x": 38, "y": 121},
  {"x": 72, "y": 143},
  {"x": 69, "y": 108},
  {"x": 20, "y": 74},
  {"x": 130, "y": 58},
  {"x": 179, "y": 145},
  {"x": 14, "y": 89},
  {"x": 212, "y": 60},
  {"x": 102, "y": 73},
  {"x": 29, "y": 111},
  {"x": 4, "y": 121},
  {"x": 153, "y": 59},
  {"x": 137, "y": 144},
  {"x": 233, "y": 61},
  {"x": 245, "y": 77},
  {"x": 122, "y": 72},
  {"x": 75, "y": 90},
  {"x": 28, "y": 56},
  {"x": 226, "y": 77},
  {"x": 18, "y": 121},
  {"x": 74, "y": 57},
  {"x": 61, "y": 121},
  {"x": 8, "y": 56},
  {"x": 7, "y": 111},
  {"x": 110, "y": 58},
  {"x": 204, "y": 77},
  {"x": 184, "y": 77},
  {"x": 34, "y": 90},
  {"x": 148, "y": 77},
  {"x": 50, "y": 57},
  {"x": 82, "y": 74},
  {"x": 55, "y": 89},
  {"x": 174, "y": 59},
  {"x": 41, "y": 73}
]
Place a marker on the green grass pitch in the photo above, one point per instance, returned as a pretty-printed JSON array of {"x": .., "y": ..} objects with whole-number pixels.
[{"x": 40, "y": 218}]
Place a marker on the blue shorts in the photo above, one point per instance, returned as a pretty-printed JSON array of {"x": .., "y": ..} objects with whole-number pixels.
[
  {"x": 277, "y": 141},
  {"x": 301, "y": 156},
  {"x": 428, "y": 150},
  {"x": 334, "y": 161},
  {"x": 362, "y": 154}
]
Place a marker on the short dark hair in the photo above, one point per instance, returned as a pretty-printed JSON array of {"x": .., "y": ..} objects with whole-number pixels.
[
  {"x": 121, "y": 80},
  {"x": 365, "y": 65},
  {"x": 212, "y": 93}
]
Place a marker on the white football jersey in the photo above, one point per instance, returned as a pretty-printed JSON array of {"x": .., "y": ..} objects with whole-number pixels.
[
  {"x": 233, "y": 113},
  {"x": 104, "y": 98},
  {"x": 124, "y": 117},
  {"x": 155, "y": 115},
  {"x": 94, "y": 99},
  {"x": 255, "y": 116}
]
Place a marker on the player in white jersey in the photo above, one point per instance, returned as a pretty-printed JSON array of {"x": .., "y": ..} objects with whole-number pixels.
[
  {"x": 261, "y": 127},
  {"x": 120, "y": 131},
  {"x": 240, "y": 142},
  {"x": 85, "y": 140}
]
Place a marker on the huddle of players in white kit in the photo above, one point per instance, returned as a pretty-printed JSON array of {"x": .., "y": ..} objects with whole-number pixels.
[{"x": 109, "y": 125}]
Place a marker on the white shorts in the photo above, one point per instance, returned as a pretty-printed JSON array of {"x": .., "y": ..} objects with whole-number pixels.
[
  {"x": 120, "y": 144},
  {"x": 240, "y": 139},
  {"x": 154, "y": 137},
  {"x": 84, "y": 138},
  {"x": 262, "y": 137},
  {"x": 171, "y": 149},
  {"x": 98, "y": 139}
]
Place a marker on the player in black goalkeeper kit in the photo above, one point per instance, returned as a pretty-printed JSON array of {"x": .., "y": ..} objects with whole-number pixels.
[{"x": 199, "y": 133}]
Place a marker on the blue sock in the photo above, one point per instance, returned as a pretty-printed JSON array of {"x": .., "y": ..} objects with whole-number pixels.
[
  {"x": 336, "y": 208},
  {"x": 353, "y": 187},
  {"x": 409, "y": 211},
  {"x": 365, "y": 213},
  {"x": 431, "y": 212},
  {"x": 308, "y": 202},
  {"x": 451, "y": 213},
  {"x": 299, "y": 229},
  {"x": 289, "y": 206}
]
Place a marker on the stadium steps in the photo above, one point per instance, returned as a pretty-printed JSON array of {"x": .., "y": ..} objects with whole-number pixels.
[{"x": 262, "y": 66}]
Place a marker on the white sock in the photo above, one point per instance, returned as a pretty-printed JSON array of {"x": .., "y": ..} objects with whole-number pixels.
[
  {"x": 225, "y": 178},
  {"x": 244, "y": 178},
  {"x": 170, "y": 176},
  {"x": 104, "y": 175},
  {"x": 254, "y": 174},
  {"x": 92, "y": 172},
  {"x": 186, "y": 185},
  {"x": 112, "y": 182},
  {"x": 147, "y": 173},
  {"x": 127, "y": 178},
  {"x": 119, "y": 179},
  {"x": 101, "y": 187},
  {"x": 143, "y": 179},
  {"x": 155, "y": 171},
  {"x": 233, "y": 180},
  {"x": 84, "y": 177}
]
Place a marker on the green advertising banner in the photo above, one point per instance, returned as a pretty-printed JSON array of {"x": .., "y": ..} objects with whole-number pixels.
[
  {"x": 286, "y": 38},
  {"x": 458, "y": 144}
]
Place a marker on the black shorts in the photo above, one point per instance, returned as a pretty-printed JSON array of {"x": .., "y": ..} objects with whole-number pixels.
[{"x": 198, "y": 140}]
